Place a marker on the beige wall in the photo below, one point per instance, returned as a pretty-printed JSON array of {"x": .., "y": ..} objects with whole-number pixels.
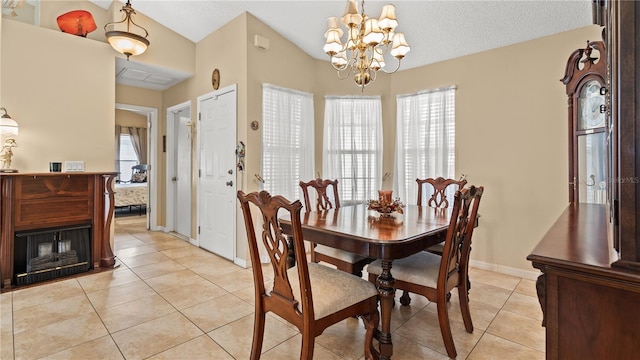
[
  {"x": 64, "y": 110},
  {"x": 167, "y": 48},
  {"x": 130, "y": 119}
]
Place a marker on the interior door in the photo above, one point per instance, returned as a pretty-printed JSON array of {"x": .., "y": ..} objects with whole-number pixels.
[
  {"x": 182, "y": 178},
  {"x": 217, "y": 187}
]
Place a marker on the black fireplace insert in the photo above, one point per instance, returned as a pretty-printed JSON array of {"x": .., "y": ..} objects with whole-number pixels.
[{"x": 51, "y": 253}]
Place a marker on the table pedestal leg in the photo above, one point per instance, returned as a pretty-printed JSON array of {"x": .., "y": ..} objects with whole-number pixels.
[{"x": 386, "y": 285}]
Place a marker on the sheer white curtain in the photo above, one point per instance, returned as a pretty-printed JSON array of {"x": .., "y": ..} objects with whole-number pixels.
[
  {"x": 287, "y": 140},
  {"x": 425, "y": 139},
  {"x": 352, "y": 147}
]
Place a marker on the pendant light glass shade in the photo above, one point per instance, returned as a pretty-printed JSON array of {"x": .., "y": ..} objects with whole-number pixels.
[{"x": 125, "y": 41}]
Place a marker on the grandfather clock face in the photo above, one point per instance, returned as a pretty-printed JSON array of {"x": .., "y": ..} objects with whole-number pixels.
[{"x": 589, "y": 101}]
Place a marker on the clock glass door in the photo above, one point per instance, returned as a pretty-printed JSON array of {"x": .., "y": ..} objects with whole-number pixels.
[{"x": 591, "y": 145}]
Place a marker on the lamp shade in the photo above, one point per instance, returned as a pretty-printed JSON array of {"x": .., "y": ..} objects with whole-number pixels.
[
  {"x": 8, "y": 126},
  {"x": 77, "y": 22},
  {"x": 127, "y": 43}
]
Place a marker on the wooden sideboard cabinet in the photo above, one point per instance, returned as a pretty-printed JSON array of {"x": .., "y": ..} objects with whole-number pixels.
[
  {"x": 590, "y": 307},
  {"x": 33, "y": 202}
]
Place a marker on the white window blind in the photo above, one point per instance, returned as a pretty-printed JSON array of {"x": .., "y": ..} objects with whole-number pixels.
[
  {"x": 353, "y": 146},
  {"x": 425, "y": 139},
  {"x": 287, "y": 140}
]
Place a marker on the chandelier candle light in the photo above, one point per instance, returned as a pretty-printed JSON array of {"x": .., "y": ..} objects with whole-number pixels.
[
  {"x": 368, "y": 41},
  {"x": 126, "y": 42}
]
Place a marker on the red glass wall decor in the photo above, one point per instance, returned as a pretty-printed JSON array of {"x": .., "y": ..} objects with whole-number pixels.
[{"x": 77, "y": 22}]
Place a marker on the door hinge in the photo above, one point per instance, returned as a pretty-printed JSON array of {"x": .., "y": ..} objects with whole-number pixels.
[
  {"x": 198, "y": 230},
  {"x": 199, "y": 173},
  {"x": 200, "y": 116}
]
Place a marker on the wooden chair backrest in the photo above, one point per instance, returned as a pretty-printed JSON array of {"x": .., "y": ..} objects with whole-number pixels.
[
  {"x": 438, "y": 198},
  {"x": 457, "y": 245},
  {"x": 323, "y": 202},
  {"x": 281, "y": 299}
]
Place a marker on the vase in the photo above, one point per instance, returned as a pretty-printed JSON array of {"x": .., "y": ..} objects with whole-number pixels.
[{"x": 385, "y": 196}]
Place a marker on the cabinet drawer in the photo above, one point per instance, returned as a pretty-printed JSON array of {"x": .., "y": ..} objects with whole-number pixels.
[{"x": 52, "y": 201}]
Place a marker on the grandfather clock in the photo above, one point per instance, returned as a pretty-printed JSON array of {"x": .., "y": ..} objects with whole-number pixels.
[{"x": 585, "y": 79}]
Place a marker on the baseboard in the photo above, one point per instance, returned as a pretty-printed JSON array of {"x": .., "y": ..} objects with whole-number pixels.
[
  {"x": 240, "y": 262},
  {"x": 525, "y": 274}
]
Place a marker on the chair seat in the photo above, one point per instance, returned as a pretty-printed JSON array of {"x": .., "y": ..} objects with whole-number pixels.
[
  {"x": 437, "y": 248},
  {"x": 338, "y": 254},
  {"x": 421, "y": 269},
  {"x": 333, "y": 290}
]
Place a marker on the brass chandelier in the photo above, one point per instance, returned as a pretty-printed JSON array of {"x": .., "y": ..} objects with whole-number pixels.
[{"x": 368, "y": 41}]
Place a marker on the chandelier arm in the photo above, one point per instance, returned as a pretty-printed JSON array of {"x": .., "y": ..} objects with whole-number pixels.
[
  {"x": 347, "y": 70},
  {"x": 394, "y": 70}
]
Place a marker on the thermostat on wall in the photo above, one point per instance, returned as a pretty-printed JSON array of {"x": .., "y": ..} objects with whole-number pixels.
[{"x": 71, "y": 166}]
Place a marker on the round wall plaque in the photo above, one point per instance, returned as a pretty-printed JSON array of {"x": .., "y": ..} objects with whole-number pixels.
[{"x": 215, "y": 79}]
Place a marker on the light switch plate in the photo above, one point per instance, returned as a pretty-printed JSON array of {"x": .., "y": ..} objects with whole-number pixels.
[{"x": 71, "y": 166}]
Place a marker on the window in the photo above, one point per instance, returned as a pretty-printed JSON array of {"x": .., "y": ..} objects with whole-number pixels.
[
  {"x": 127, "y": 157},
  {"x": 287, "y": 140},
  {"x": 425, "y": 139},
  {"x": 353, "y": 146}
]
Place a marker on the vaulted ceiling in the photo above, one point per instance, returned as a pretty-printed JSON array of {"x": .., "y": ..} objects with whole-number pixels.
[{"x": 436, "y": 30}]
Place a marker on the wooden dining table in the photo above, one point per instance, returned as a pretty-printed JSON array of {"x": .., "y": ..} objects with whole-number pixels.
[{"x": 364, "y": 232}]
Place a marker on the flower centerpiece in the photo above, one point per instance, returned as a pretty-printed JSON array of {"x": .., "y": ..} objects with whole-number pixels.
[{"x": 385, "y": 205}]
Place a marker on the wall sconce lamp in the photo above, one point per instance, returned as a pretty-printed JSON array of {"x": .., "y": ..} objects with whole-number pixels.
[
  {"x": 8, "y": 131},
  {"x": 126, "y": 42}
]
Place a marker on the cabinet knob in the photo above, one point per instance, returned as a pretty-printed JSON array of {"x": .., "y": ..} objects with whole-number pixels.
[
  {"x": 603, "y": 109},
  {"x": 603, "y": 91}
]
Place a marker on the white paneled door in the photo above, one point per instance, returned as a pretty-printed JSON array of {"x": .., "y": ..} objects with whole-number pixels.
[
  {"x": 217, "y": 181},
  {"x": 182, "y": 179}
]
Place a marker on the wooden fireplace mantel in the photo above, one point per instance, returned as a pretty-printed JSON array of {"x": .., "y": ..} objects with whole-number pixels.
[{"x": 30, "y": 201}]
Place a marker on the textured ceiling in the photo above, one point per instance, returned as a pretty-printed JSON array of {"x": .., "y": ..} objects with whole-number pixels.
[{"x": 436, "y": 30}]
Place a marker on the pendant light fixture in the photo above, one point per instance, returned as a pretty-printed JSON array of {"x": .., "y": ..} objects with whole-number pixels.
[{"x": 127, "y": 42}]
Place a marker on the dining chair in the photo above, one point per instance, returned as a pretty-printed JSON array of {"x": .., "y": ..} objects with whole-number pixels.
[
  {"x": 341, "y": 259},
  {"x": 438, "y": 200},
  {"x": 434, "y": 276},
  {"x": 440, "y": 186},
  {"x": 310, "y": 296}
]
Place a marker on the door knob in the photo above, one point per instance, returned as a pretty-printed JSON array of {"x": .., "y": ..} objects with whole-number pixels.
[
  {"x": 175, "y": 178},
  {"x": 229, "y": 183}
]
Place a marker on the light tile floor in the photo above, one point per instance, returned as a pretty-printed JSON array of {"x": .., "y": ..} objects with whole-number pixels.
[{"x": 170, "y": 300}]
